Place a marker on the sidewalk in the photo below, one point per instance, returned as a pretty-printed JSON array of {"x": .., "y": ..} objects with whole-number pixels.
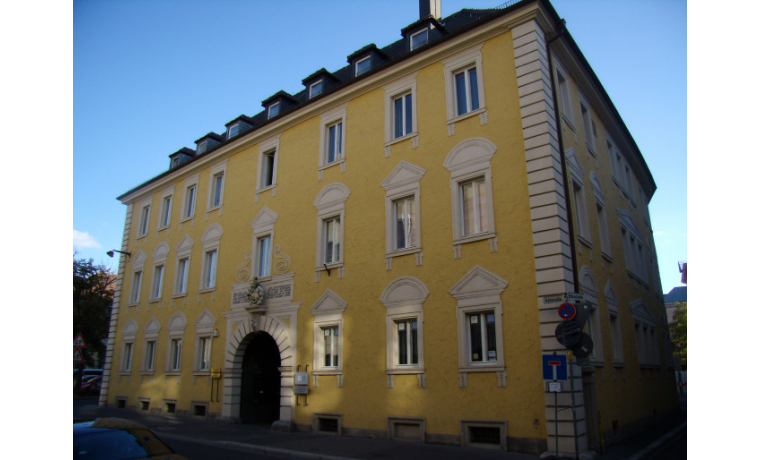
[{"x": 310, "y": 445}]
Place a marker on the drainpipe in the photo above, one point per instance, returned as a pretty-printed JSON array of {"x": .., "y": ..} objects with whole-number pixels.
[{"x": 557, "y": 116}]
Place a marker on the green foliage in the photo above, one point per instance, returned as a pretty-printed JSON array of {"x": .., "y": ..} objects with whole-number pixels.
[
  {"x": 93, "y": 296},
  {"x": 678, "y": 333}
]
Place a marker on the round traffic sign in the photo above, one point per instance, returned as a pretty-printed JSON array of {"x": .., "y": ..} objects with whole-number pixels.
[
  {"x": 566, "y": 311},
  {"x": 584, "y": 347},
  {"x": 568, "y": 334}
]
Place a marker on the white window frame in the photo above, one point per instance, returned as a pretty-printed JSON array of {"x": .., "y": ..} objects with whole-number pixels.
[
  {"x": 268, "y": 148},
  {"x": 412, "y": 46},
  {"x": 588, "y": 125},
  {"x": 403, "y": 299},
  {"x": 190, "y": 198},
  {"x": 402, "y": 182},
  {"x": 593, "y": 328},
  {"x": 210, "y": 263},
  {"x": 152, "y": 330},
  {"x": 601, "y": 217},
  {"x": 181, "y": 278},
  {"x": 479, "y": 291},
  {"x": 157, "y": 281},
  {"x": 327, "y": 120},
  {"x": 564, "y": 94},
  {"x": 328, "y": 312},
  {"x": 577, "y": 177},
  {"x": 633, "y": 244},
  {"x": 233, "y": 130},
  {"x": 400, "y": 88},
  {"x": 204, "y": 331},
  {"x": 646, "y": 339},
  {"x": 143, "y": 221},
  {"x": 330, "y": 204},
  {"x": 357, "y": 71},
  {"x": 263, "y": 227},
  {"x": 616, "y": 336},
  {"x": 470, "y": 159},
  {"x": 273, "y": 110},
  {"x": 135, "y": 287},
  {"x": 128, "y": 347},
  {"x": 217, "y": 172},
  {"x": 176, "y": 326},
  {"x": 471, "y": 58},
  {"x": 312, "y": 92},
  {"x": 165, "y": 216}
]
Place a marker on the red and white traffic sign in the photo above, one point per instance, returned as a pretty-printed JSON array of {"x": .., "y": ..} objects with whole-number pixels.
[
  {"x": 566, "y": 311},
  {"x": 78, "y": 356},
  {"x": 79, "y": 341}
]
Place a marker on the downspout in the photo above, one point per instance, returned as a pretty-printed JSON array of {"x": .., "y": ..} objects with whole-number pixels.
[{"x": 571, "y": 231}]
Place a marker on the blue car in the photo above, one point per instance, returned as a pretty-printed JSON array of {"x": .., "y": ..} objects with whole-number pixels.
[{"x": 118, "y": 439}]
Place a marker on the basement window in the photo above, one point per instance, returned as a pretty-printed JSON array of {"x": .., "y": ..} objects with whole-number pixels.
[
  {"x": 484, "y": 434},
  {"x": 328, "y": 423},
  {"x": 200, "y": 409},
  {"x": 170, "y": 407},
  {"x": 145, "y": 405},
  {"x": 121, "y": 403}
]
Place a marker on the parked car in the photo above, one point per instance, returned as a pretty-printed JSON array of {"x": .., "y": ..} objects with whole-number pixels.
[
  {"x": 119, "y": 439},
  {"x": 91, "y": 384}
]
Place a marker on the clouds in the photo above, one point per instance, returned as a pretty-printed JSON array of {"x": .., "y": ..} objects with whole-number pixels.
[{"x": 83, "y": 240}]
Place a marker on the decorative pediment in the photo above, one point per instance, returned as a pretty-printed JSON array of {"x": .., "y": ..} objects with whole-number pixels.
[
  {"x": 212, "y": 234},
  {"x": 576, "y": 170},
  {"x": 403, "y": 174},
  {"x": 177, "y": 322},
  {"x": 610, "y": 296},
  {"x": 405, "y": 290},
  {"x": 185, "y": 244},
  {"x": 597, "y": 186},
  {"x": 478, "y": 282},
  {"x": 265, "y": 218},
  {"x": 333, "y": 194},
  {"x": 160, "y": 252},
  {"x": 587, "y": 282},
  {"x": 130, "y": 329},
  {"x": 627, "y": 222},
  {"x": 139, "y": 259},
  {"x": 470, "y": 152},
  {"x": 152, "y": 328},
  {"x": 329, "y": 303},
  {"x": 641, "y": 312},
  {"x": 205, "y": 322}
]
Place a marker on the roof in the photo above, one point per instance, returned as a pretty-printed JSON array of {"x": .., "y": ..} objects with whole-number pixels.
[{"x": 677, "y": 294}]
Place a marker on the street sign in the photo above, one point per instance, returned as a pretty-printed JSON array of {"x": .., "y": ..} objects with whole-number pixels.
[
  {"x": 566, "y": 311},
  {"x": 78, "y": 356},
  {"x": 575, "y": 297},
  {"x": 79, "y": 341},
  {"x": 555, "y": 387},
  {"x": 555, "y": 367},
  {"x": 584, "y": 347},
  {"x": 568, "y": 333}
]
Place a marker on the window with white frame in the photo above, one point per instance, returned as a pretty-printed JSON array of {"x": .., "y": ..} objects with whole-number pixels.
[
  {"x": 263, "y": 236},
  {"x": 563, "y": 85},
  {"x": 479, "y": 321},
  {"x": 184, "y": 250},
  {"x": 315, "y": 89},
  {"x": 633, "y": 247},
  {"x": 418, "y": 39},
  {"x": 402, "y": 209},
  {"x": 464, "y": 84},
  {"x": 363, "y": 65},
  {"x": 142, "y": 223},
  {"x": 159, "y": 264},
  {"x": 273, "y": 110},
  {"x": 471, "y": 191},
  {"x": 644, "y": 328},
  {"x": 128, "y": 346},
  {"x": 332, "y": 150},
  {"x": 176, "y": 326},
  {"x": 403, "y": 299},
  {"x": 216, "y": 185},
  {"x": 204, "y": 333},
  {"x": 210, "y": 240},
  {"x": 149, "y": 350},
  {"x": 267, "y": 177},
  {"x": 401, "y": 111},
  {"x": 188, "y": 202},
  {"x": 588, "y": 127},
  {"x": 330, "y": 205},
  {"x": 134, "y": 294},
  {"x": 164, "y": 219},
  {"x": 615, "y": 333},
  {"x": 601, "y": 216},
  {"x": 328, "y": 334},
  {"x": 579, "y": 196},
  {"x": 593, "y": 327},
  {"x": 233, "y": 130}
]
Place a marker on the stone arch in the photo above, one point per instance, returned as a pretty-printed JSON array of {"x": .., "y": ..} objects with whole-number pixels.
[{"x": 470, "y": 152}]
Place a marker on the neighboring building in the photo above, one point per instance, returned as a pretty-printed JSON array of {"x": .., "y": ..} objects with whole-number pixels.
[
  {"x": 415, "y": 219},
  {"x": 677, "y": 295}
]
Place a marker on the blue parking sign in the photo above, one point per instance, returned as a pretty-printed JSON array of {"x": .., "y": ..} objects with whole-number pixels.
[{"x": 555, "y": 367}]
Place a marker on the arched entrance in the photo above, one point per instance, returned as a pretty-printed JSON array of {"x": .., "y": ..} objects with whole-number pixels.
[{"x": 260, "y": 380}]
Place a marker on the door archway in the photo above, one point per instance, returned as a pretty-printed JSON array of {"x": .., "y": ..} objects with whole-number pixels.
[{"x": 260, "y": 380}]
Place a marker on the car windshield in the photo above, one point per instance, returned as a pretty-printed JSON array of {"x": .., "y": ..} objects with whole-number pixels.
[{"x": 111, "y": 444}]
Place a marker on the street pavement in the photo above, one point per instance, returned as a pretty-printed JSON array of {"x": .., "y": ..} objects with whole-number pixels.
[{"x": 260, "y": 439}]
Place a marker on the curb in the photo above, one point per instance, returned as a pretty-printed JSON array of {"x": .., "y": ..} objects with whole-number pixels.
[
  {"x": 655, "y": 445},
  {"x": 257, "y": 448}
]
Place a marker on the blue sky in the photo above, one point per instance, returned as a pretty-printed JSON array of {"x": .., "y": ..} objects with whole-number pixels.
[{"x": 152, "y": 77}]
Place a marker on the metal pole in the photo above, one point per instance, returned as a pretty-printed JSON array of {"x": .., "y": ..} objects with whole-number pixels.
[
  {"x": 556, "y": 425},
  {"x": 572, "y": 394}
]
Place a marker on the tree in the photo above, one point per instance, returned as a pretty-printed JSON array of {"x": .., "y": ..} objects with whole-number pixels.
[
  {"x": 93, "y": 297},
  {"x": 678, "y": 333}
]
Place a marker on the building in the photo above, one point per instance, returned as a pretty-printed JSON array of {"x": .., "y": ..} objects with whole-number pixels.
[
  {"x": 414, "y": 220},
  {"x": 677, "y": 295}
]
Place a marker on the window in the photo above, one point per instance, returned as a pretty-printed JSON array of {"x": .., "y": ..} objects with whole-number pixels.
[
  {"x": 471, "y": 192},
  {"x": 331, "y": 346},
  {"x": 210, "y": 239},
  {"x": 184, "y": 249},
  {"x": 177, "y": 324},
  {"x": 233, "y": 130},
  {"x": 330, "y": 204},
  {"x": 332, "y": 149},
  {"x": 402, "y": 205},
  {"x": 464, "y": 85},
  {"x": 216, "y": 186},
  {"x": 328, "y": 334},
  {"x": 403, "y": 300},
  {"x": 142, "y": 226},
  {"x": 126, "y": 364},
  {"x": 166, "y": 208},
  {"x": 150, "y": 355},
  {"x": 267, "y": 168},
  {"x": 273, "y": 110},
  {"x": 264, "y": 256},
  {"x": 216, "y": 191},
  {"x": 479, "y": 322},
  {"x": 635, "y": 260},
  {"x": 182, "y": 269},
  {"x": 158, "y": 281},
  {"x": 401, "y": 112},
  {"x": 564, "y": 94},
  {"x": 615, "y": 334},
  {"x": 204, "y": 353},
  {"x": 579, "y": 199},
  {"x": 209, "y": 270},
  {"x": 267, "y": 175},
  {"x": 134, "y": 295},
  {"x": 175, "y": 354},
  {"x": 128, "y": 346},
  {"x": 332, "y": 233},
  {"x": 204, "y": 330},
  {"x": 588, "y": 127},
  {"x": 418, "y": 39},
  {"x": 604, "y": 234},
  {"x": 402, "y": 115},
  {"x": 315, "y": 89},
  {"x": 188, "y": 204},
  {"x": 363, "y": 65},
  {"x": 149, "y": 350}
]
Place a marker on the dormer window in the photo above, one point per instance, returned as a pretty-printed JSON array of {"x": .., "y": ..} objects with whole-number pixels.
[
  {"x": 233, "y": 130},
  {"x": 418, "y": 39},
  {"x": 175, "y": 162},
  {"x": 208, "y": 142},
  {"x": 363, "y": 65},
  {"x": 273, "y": 110},
  {"x": 202, "y": 146},
  {"x": 315, "y": 89}
]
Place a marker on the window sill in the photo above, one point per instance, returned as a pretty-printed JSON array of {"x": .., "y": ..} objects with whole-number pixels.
[
  {"x": 214, "y": 209},
  {"x": 596, "y": 363},
  {"x": 209, "y": 289},
  {"x": 138, "y": 237},
  {"x": 173, "y": 372},
  {"x": 330, "y": 266},
  {"x": 637, "y": 278},
  {"x": 396, "y": 140},
  {"x": 567, "y": 121},
  {"x": 475, "y": 237},
  {"x": 591, "y": 150},
  {"x": 327, "y": 372},
  {"x": 150, "y": 373},
  {"x": 133, "y": 304},
  {"x": 607, "y": 257},
  {"x": 185, "y": 219},
  {"x": 619, "y": 364},
  {"x": 334, "y": 163},
  {"x": 484, "y": 368},
  {"x": 403, "y": 252},
  {"x": 268, "y": 187},
  {"x": 201, "y": 373},
  {"x": 466, "y": 115},
  {"x": 585, "y": 242},
  {"x": 154, "y": 299},
  {"x": 180, "y": 295},
  {"x": 403, "y": 371},
  {"x": 162, "y": 228}
]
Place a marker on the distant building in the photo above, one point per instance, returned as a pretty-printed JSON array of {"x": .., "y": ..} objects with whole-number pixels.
[
  {"x": 677, "y": 294},
  {"x": 414, "y": 220}
]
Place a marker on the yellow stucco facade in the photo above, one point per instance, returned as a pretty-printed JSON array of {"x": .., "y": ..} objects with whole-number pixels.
[{"x": 445, "y": 281}]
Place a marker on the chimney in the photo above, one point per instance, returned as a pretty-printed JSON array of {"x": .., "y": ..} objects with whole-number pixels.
[{"x": 430, "y": 8}]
